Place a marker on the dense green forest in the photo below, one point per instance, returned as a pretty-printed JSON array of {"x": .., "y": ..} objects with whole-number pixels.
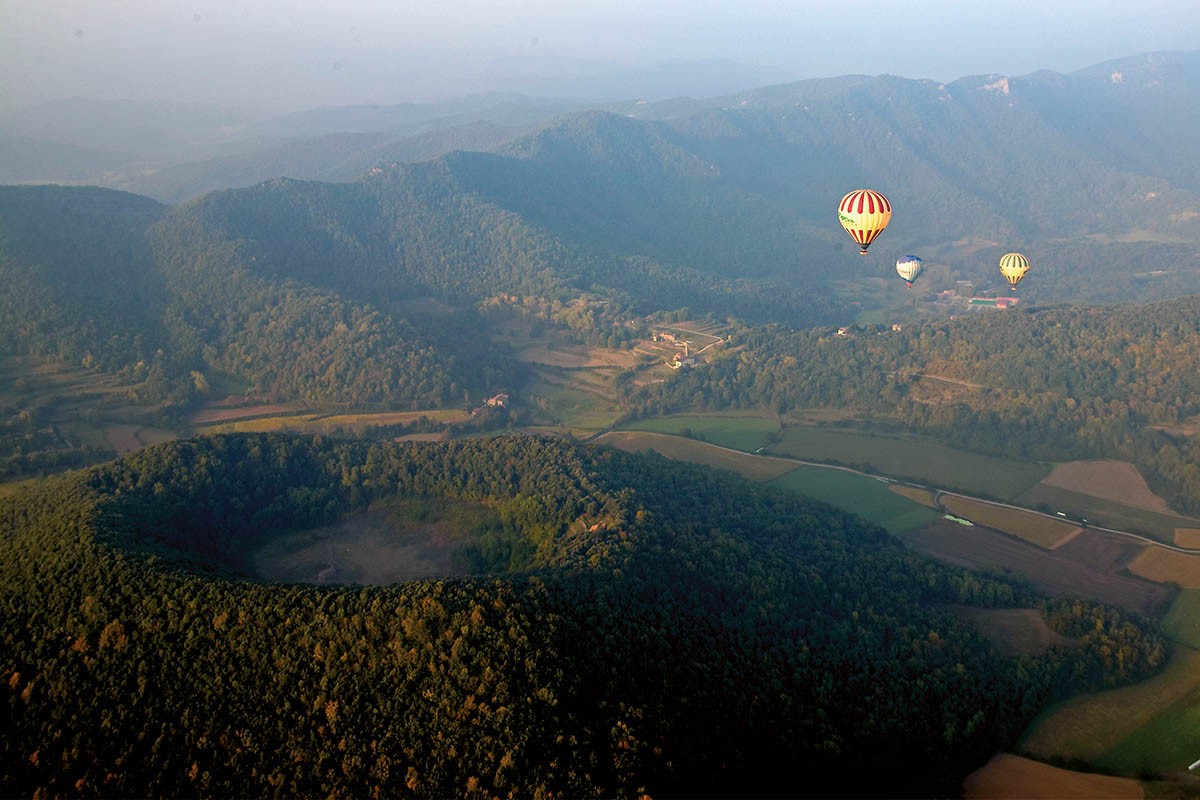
[
  {"x": 1052, "y": 384},
  {"x": 644, "y": 627}
]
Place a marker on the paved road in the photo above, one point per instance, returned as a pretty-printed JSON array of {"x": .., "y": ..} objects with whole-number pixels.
[{"x": 939, "y": 492}]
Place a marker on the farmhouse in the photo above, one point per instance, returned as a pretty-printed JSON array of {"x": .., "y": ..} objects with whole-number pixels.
[{"x": 680, "y": 360}]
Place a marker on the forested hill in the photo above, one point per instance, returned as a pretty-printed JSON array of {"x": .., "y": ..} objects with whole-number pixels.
[
  {"x": 1053, "y": 384},
  {"x": 631, "y": 626},
  {"x": 743, "y": 186},
  {"x": 92, "y": 279},
  {"x": 300, "y": 288}
]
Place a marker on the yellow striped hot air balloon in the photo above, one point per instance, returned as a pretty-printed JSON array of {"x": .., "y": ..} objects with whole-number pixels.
[
  {"x": 1013, "y": 267},
  {"x": 864, "y": 214}
]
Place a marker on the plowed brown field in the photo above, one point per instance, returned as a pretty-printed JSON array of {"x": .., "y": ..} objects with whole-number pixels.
[
  {"x": 1008, "y": 776},
  {"x": 1113, "y": 480},
  {"x": 1086, "y": 566}
]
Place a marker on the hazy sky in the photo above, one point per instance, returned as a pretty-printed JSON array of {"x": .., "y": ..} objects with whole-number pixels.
[{"x": 288, "y": 54}]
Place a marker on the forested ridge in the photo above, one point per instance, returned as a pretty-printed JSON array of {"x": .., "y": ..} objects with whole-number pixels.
[
  {"x": 665, "y": 630},
  {"x": 1053, "y": 384}
]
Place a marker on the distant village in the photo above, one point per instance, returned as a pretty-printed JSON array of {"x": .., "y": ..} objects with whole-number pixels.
[
  {"x": 963, "y": 295},
  {"x": 962, "y": 298}
]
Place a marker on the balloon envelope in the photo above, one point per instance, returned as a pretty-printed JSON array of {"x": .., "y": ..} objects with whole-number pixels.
[
  {"x": 1013, "y": 267},
  {"x": 909, "y": 268},
  {"x": 864, "y": 214}
]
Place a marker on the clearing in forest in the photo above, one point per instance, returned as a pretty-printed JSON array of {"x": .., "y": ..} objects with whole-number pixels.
[
  {"x": 1013, "y": 631},
  {"x": 398, "y": 540}
]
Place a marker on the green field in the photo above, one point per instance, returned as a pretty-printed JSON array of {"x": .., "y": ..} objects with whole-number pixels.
[
  {"x": 867, "y": 497},
  {"x": 572, "y": 408},
  {"x": 1182, "y": 622},
  {"x": 1109, "y": 728},
  {"x": 919, "y": 460},
  {"x": 756, "y": 468},
  {"x": 746, "y": 432},
  {"x": 1168, "y": 743}
]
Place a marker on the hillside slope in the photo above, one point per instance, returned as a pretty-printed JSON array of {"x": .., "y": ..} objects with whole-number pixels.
[{"x": 645, "y": 627}]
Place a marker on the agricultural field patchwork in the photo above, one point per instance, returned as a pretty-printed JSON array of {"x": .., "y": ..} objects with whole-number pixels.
[
  {"x": 746, "y": 432},
  {"x": 1106, "y": 513},
  {"x": 860, "y": 494},
  {"x": 1089, "y": 565},
  {"x": 911, "y": 458},
  {"x": 1033, "y": 528},
  {"x": 1118, "y": 481},
  {"x": 1168, "y": 566},
  {"x": 1188, "y": 537},
  {"x": 756, "y": 468},
  {"x": 914, "y": 493}
]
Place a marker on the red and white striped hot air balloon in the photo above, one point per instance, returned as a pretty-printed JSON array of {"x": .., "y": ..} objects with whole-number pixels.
[{"x": 864, "y": 213}]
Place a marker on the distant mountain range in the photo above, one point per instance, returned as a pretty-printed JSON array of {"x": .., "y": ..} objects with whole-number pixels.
[{"x": 721, "y": 206}]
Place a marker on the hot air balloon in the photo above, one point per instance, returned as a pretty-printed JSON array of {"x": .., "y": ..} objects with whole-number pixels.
[
  {"x": 864, "y": 214},
  {"x": 909, "y": 268},
  {"x": 1013, "y": 267}
]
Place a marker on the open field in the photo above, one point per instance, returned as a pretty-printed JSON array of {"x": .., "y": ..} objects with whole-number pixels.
[
  {"x": 859, "y": 494},
  {"x": 1009, "y": 777},
  {"x": 323, "y": 423},
  {"x": 1182, "y": 622},
  {"x": 1107, "y": 513},
  {"x": 1090, "y": 725},
  {"x": 1118, "y": 481},
  {"x": 1167, "y": 566},
  {"x": 1033, "y": 528},
  {"x": 229, "y": 410},
  {"x": 1013, "y": 631},
  {"x": 746, "y": 431},
  {"x": 914, "y": 493},
  {"x": 572, "y": 406},
  {"x": 128, "y": 438},
  {"x": 577, "y": 356},
  {"x": 1088, "y": 566},
  {"x": 757, "y": 468},
  {"x": 1188, "y": 537},
  {"x": 1167, "y": 743},
  {"x": 915, "y": 459}
]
